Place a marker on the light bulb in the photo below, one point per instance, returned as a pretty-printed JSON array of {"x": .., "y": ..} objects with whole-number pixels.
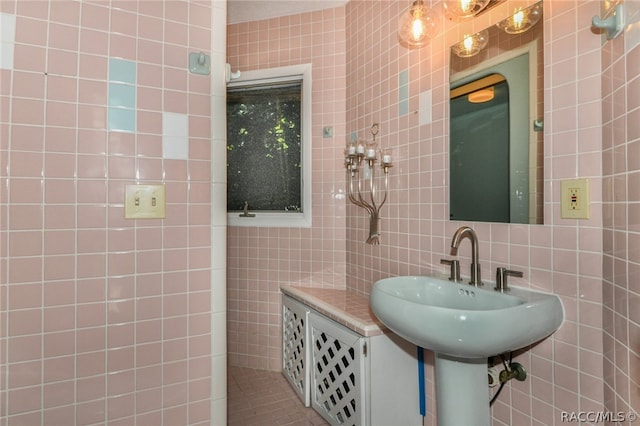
[
  {"x": 465, "y": 5},
  {"x": 518, "y": 19},
  {"x": 464, "y": 9},
  {"x": 468, "y": 43},
  {"x": 417, "y": 29},
  {"x": 416, "y": 25},
  {"x": 521, "y": 20},
  {"x": 471, "y": 44}
]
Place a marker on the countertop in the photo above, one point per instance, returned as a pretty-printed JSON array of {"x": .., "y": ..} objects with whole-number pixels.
[{"x": 348, "y": 308}]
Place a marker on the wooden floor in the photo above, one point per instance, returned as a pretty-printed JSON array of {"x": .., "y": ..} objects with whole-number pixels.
[{"x": 265, "y": 398}]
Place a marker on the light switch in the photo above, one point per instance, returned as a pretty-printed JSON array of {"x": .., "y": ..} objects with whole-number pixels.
[
  {"x": 575, "y": 199},
  {"x": 144, "y": 202}
]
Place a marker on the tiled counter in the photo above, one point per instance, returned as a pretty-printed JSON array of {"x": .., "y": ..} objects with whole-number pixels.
[{"x": 348, "y": 308}]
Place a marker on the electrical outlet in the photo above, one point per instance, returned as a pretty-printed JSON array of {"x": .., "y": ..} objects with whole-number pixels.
[
  {"x": 575, "y": 199},
  {"x": 144, "y": 202}
]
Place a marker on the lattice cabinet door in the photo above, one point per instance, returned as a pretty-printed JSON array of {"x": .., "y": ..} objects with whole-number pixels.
[
  {"x": 295, "y": 355},
  {"x": 337, "y": 377}
]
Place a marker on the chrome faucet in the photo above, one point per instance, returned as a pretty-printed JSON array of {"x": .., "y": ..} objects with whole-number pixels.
[{"x": 465, "y": 231}]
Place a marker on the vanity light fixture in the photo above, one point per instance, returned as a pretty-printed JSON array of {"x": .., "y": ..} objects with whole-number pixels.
[
  {"x": 464, "y": 9},
  {"x": 417, "y": 25},
  {"x": 360, "y": 160},
  {"x": 522, "y": 20},
  {"x": 471, "y": 45}
]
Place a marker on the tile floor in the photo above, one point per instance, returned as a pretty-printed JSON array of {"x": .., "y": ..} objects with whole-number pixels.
[{"x": 265, "y": 398}]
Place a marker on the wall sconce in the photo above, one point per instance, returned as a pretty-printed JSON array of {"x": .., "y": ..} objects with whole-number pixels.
[
  {"x": 522, "y": 20},
  {"x": 464, "y": 9},
  {"x": 360, "y": 159},
  {"x": 471, "y": 44},
  {"x": 417, "y": 25}
]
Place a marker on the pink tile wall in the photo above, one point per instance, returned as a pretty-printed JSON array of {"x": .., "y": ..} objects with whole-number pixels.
[
  {"x": 260, "y": 259},
  {"x": 562, "y": 256},
  {"x": 103, "y": 319},
  {"x": 591, "y": 131},
  {"x": 621, "y": 186}
]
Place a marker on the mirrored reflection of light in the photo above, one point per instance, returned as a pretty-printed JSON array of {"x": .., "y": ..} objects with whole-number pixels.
[{"x": 482, "y": 95}]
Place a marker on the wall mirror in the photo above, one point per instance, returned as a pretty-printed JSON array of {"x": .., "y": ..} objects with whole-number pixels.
[{"x": 496, "y": 122}]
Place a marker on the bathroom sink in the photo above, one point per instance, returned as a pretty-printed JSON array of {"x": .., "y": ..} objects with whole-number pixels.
[{"x": 463, "y": 321}]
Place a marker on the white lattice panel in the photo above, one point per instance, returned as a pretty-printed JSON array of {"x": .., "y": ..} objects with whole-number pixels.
[
  {"x": 295, "y": 356},
  {"x": 337, "y": 375}
]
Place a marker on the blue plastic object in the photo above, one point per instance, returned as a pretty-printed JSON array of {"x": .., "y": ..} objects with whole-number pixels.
[{"x": 421, "y": 389}]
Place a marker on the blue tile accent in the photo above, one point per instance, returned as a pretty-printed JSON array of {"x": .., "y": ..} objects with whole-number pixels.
[
  {"x": 122, "y": 71},
  {"x": 122, "y": 119},
  {"x": 403, "y": 78},
  {"x": 403, "y": 108},
  {"x": 122, "y": 95},
  {"x": 403, "y": 93}
]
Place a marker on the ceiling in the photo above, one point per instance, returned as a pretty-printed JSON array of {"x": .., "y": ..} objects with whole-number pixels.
[{"x": 252, "y": 10}]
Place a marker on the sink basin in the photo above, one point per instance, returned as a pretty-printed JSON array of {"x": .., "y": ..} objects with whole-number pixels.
[{"x": 463, "y": 321}]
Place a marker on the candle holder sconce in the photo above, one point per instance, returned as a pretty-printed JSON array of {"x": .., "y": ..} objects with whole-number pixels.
[{"x": 360, "y": 160}]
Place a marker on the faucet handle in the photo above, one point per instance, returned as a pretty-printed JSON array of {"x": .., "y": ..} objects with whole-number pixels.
[
  {"x": 501, "y": 278},
  {"x": 454, "y": 274}
]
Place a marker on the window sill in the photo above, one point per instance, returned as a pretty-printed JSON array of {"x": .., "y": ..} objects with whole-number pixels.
[{"x": 270, "y": 220}]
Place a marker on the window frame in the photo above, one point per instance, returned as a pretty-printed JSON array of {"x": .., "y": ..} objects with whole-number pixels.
[{"x": 301, "y": 219}]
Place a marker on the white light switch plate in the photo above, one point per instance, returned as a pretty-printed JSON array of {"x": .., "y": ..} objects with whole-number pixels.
[{"x": 144, "y": 202}]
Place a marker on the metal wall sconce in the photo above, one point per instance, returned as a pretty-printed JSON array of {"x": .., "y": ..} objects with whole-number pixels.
[{"x": 360, "y": 160}]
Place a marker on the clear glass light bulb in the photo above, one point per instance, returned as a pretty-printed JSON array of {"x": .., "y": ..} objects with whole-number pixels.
[
  {"x": 464, "y": 9},
  {"x": 468, "y": 43},
  {"x": 416, "y": 26},
  {"x": 471, "y": 44},
  {"x": 417, "y": 29},
  {"x": 518, "y": 19},
  {"x": 522, "y": 20}
]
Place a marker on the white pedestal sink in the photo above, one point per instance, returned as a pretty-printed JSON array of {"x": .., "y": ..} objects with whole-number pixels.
[{"x": 464, "y": 326}]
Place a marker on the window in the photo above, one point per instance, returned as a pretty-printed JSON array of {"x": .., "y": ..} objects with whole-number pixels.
[{"x": 269, "y": 147}]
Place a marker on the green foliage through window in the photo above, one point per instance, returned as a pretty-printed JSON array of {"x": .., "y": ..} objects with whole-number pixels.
[{"x": 264, "y": 147}]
